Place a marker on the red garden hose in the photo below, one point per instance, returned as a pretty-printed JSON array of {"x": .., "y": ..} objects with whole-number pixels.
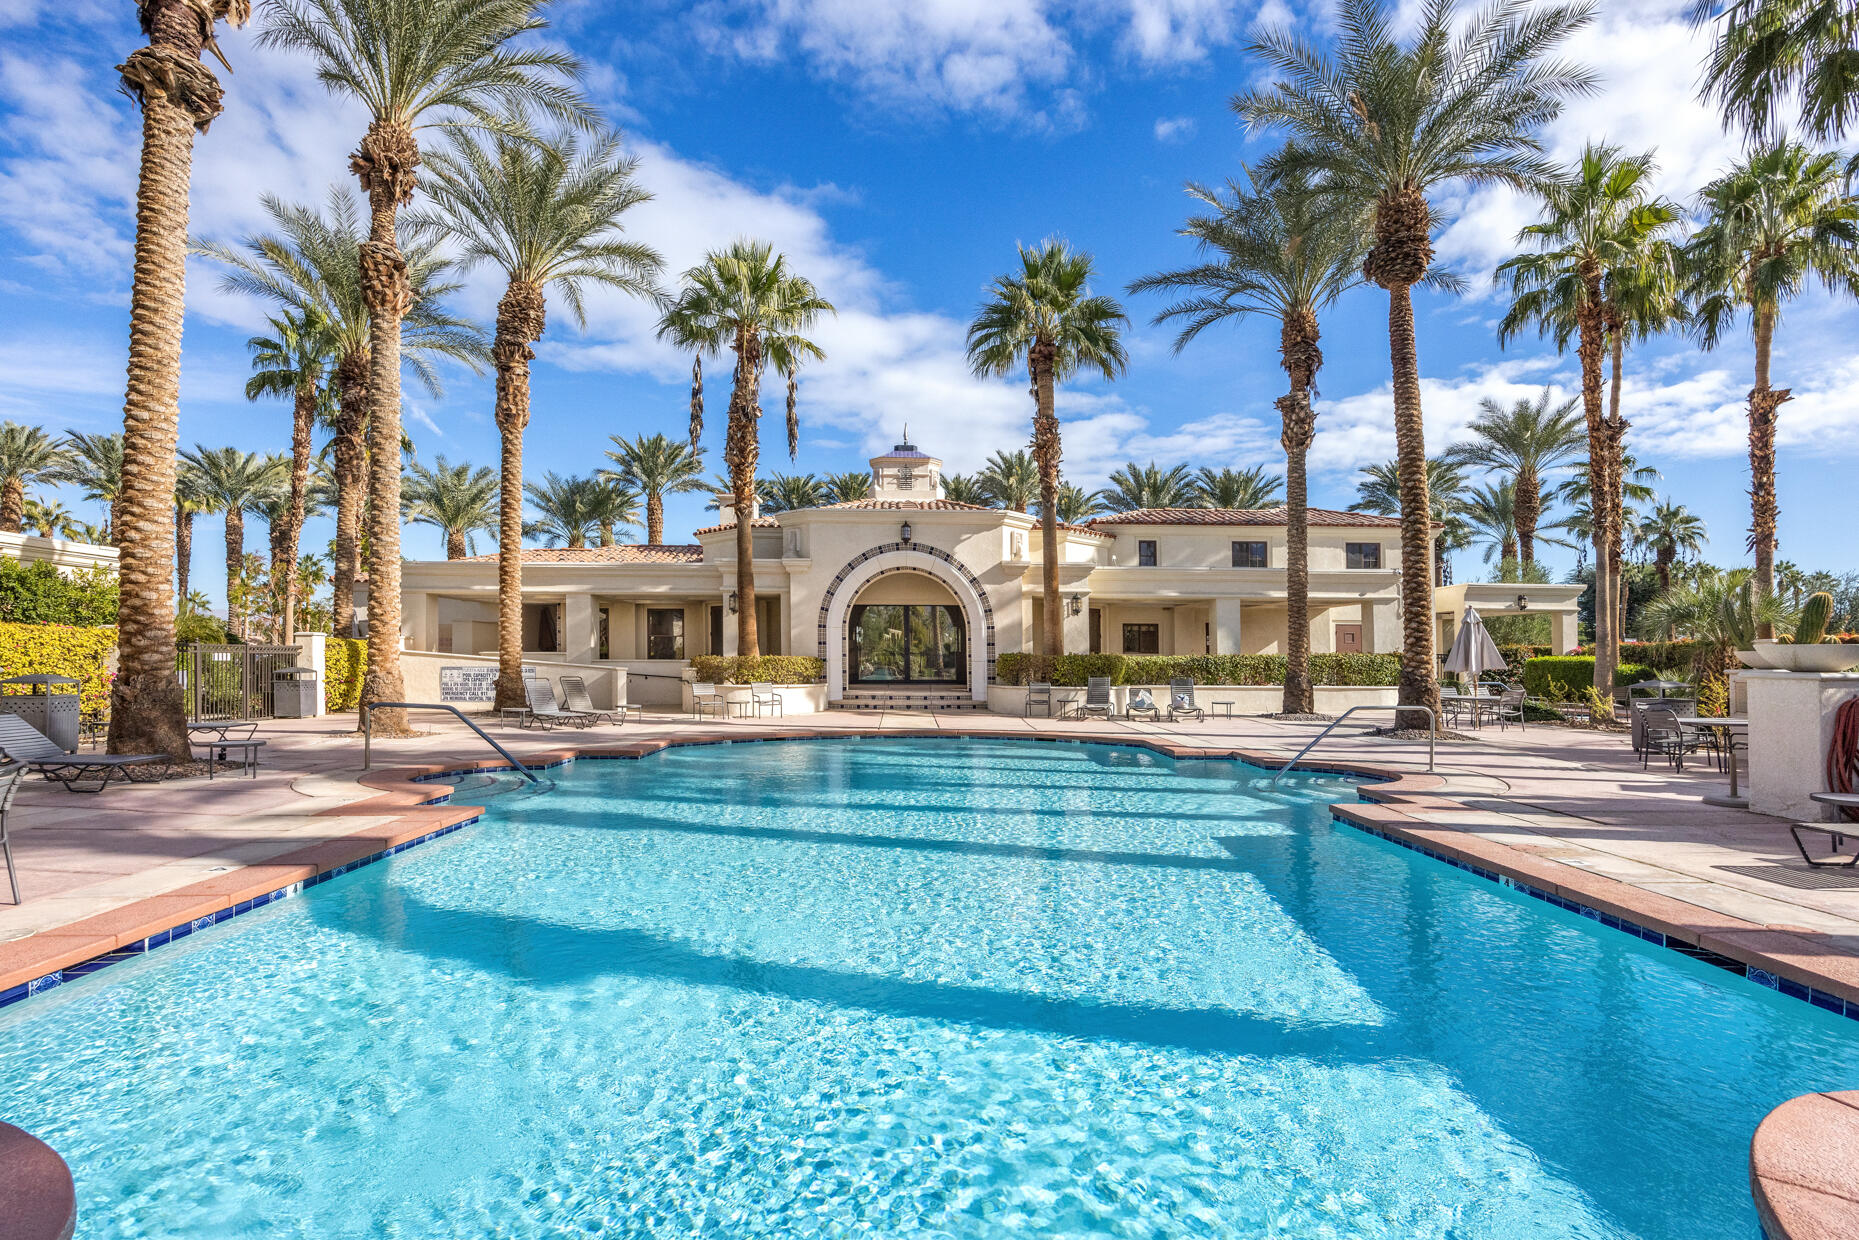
[{"x": 1843, "y": 752}]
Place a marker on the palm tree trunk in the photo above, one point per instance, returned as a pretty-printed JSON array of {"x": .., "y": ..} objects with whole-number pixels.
[
  {"x": 455, "y": 544},
  {"x": 1046, "y": 453},
  {"x": 654, "y": 518},
  {"x": 13, "y": 505},
  {"x": 178, "y": 95},
  {"x": 235, "y": 561},
  {"x": 1591, "y": 330},
  {"x": 183, "y": 551},
  {"x": 519, "y": 322},
  {"x": 1527, "y": 505},
  {"x": 351, "y": 455},
  {"x": 1298, "y": 350},
  {"x": 1616, "y": 495},
  {"x": 741, "y": 451},
  {"x": 1419, "y": 684},
  {"x": 284, "y": 579},
  {"x": 1763, "y": 402},
  {"x": 385, "y": 164}
]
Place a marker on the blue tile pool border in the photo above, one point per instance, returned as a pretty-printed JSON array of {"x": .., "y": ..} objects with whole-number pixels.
[{"x": 175, "y": 933}]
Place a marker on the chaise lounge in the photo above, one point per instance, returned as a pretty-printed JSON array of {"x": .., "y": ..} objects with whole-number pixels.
[
  {"x": 576, "y": 700},
  {"x": 23, "y": 743},
  {"x": 540, "y": 695}
]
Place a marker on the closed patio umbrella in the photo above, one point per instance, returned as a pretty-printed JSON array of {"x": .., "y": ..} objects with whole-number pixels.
[{"x": 1473, "y": 652}]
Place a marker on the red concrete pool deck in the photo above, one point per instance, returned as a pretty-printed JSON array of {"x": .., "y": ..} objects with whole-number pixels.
[{"x": 1568, "y": 812}]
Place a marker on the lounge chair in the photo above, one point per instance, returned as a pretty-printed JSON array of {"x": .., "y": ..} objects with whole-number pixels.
[
  {"x": 543, "y": 711},
  {"x": 1039, "y": 693},
  {"x": 1181, "y": 700},
  {"x": 21, "y": 742},
  {"x": 1096, "y": 699},
  {"x": 1142, "y": 703},
  {"x": 704, "y": 697},
  {"x": 762, "y": 695},
  {"x": 10, "y": 778},
  {"x": 575, "y": 699}
]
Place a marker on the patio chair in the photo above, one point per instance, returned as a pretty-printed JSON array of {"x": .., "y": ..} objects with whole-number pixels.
[
  {"x": 1666, "y": 736},
  {"x": 1039, "y": 693},
  {"x": 1509, "y": 708},
  {"x": 21, "y": 742},
  {"x": 575, "y": 700},
  {"x": 762, "y": 694},
  {"x": 543, "y": 711},
  {"x": 1181, "y": 700},
  {"x": 1096, "y": 699},
  {"x": 10, "y": 778},
  {"x": 1141, "y": 703},
  {"x": 704, "y": 697}
]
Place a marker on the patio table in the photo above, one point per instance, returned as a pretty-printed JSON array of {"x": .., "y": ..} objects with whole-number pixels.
[{"x": 1734, "y": 727}]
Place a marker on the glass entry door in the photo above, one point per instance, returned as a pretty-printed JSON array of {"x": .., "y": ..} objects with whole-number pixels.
[{"x": 908, "y": 643}]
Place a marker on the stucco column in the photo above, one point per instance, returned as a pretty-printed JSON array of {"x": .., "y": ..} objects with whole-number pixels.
[
  {"x": 1562, "y": 632},
  {"x": 729, "y": 625},
  {"x": 1383, "y": 630},
  {"x": 312, "y": 653},
  {"x": 416, "y": 621},
  {"x": 1226, "y": 622},
  {"x": 1078, "y": 627},
  {"x": 580, "y": 636}
]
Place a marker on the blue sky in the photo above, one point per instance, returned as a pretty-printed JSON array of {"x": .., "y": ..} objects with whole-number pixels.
[{"x": 896, "y": 152}]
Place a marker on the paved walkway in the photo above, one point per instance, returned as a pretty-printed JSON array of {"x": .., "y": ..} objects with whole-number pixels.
[{"x": 1577, "y": 798}]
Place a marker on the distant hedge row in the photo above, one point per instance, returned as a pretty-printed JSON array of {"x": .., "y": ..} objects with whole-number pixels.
[
  {"x": 1203, "y": 669},
  {"x": 1575, "y": 672},
  {"x": 779, "y": 669}
]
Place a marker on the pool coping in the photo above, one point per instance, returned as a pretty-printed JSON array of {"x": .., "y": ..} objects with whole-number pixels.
[{"x": 1798, "y": 1195}]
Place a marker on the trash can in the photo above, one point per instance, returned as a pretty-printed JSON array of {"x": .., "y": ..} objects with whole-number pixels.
[
  {"x": 54, "y": 713},
  {"x": 294, "y": 692}
]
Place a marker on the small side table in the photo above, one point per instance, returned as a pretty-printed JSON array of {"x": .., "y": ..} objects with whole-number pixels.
[
  {"x": 1225, "y": 708},
  {"x": 216, "y": 754}
]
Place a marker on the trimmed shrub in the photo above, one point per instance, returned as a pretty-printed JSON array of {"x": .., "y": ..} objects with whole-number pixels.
[
  {"x": 1576, "y": 673},
  {"x": 61, "y": 650},
  {"x": 780, "y": 669},
  {"x": 1203, "y": 669},
  {"x": 37, "y": 593},
  {"x": 1516, "y": 656},
  {"x": 345, "y": 661},
  {"x": 1659, "y": 654}
]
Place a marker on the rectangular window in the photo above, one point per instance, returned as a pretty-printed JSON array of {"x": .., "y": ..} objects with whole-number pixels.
[
  {"x": 1249, "y": 555},
  {"x": 664, "y": 633},
  {"x": 1362, "y": 555},
  {"x": 1142, "y": 639},
  {"x": 1145, "y": 552},
  {"x": 605, "y": 641}
]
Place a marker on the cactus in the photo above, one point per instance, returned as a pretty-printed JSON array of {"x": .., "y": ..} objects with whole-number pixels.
[{"x": 1810, "y": 627}]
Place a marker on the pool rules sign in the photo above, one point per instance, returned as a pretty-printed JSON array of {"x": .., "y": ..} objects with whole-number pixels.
[{"x": 467, "y": 684}]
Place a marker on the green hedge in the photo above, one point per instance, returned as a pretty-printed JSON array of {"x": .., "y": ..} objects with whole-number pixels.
[
  {"x": 345, "y": 662},
  {"x": 37, "y": 593},
  {"x": 1679, "y": 654},
  {"x": 61, "y": 650},
  {"x": 1203, "y": 669},
  {"x": 1576, "y": 673},
  {"x": 1516, "y": 656},
  {"x": 780, "y": 669}
]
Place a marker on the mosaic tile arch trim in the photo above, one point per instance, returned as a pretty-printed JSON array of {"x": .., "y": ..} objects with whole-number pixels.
[{"x": 893, "y": 548}]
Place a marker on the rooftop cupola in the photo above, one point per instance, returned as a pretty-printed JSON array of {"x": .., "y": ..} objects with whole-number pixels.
[{"x": 906, "y": 472}]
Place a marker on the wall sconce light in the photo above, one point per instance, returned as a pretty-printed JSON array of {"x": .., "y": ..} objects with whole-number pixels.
[
  {"x": 1523, "y": 602},
  {"x": 734, "y": 602},
  {"x": 905, "y": 532},
  {"x": 1075, "y": 604}
]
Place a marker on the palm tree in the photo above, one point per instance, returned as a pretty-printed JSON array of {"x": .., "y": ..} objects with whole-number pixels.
[
  {"x": 1790, "y": 580},
  {"x": 1379, "y": 127},
  {"x": 963, "y": 489},
  {"x": 234, "y": 483},
  {"x": 545, "y": 217},
  {"x": 310, "y": 266},
  {"x": 1251, "y": 487},
  {"x": 1149, "y": 486},
  {"x": 414, "y": 63},
  {"x": 85, "y": 532},
  {"x": 786, "y": 492},
  {"x": 457, "y": 500},
  {"x": 1379, "y": 492},
  {"x": 609, "y": 505},
  {"x": 178, "y": 95},
  {"x": 1046, "y": 314},
  {"x": 565, "y": 508},
  {"x": 1601, "y": 233},
  {"x": 190, "y": 500},
  {"x": 1779, "y": 218},
  {"x": 49, "y": 517},
  {"x": 94, "y": 464},
  {"x": 27, "y": 455},
  {"x": 656, "y": 466},
  {"x": 1670, "y": 533},
  {"x": 747, "y": 300},
  {"x": 1490, "y": 514},
  {"x": 847, "y": 487},
  {"x": 1525, "y": 443},
  {"x": 1077, "y": 504},
  {"x": 1009, "y": 480},
  {"x": 294, "y": 361},
  {"x": 1277, "y": 253},
  {"x": 1770, "y": 52},
  {"x": 1719, "y": 611}
]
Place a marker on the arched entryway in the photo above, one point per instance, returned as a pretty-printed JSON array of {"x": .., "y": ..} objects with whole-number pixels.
[{"x": 906, "y": 616}]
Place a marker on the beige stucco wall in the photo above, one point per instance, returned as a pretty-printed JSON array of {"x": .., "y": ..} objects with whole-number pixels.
[{"x": 1193, "y": 546}]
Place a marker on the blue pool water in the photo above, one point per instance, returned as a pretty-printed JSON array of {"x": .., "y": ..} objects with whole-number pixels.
[{"x": 912, "y": 988}]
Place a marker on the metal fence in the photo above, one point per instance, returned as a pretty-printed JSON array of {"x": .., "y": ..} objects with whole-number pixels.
[{"x": 231, "y": 681}]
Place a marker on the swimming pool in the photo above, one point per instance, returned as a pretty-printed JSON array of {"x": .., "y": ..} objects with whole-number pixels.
[{"x": 912, "y": 988}]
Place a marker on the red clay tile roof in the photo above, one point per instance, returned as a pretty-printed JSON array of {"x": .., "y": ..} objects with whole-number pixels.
[
  {"x": 624, "y": 553},
  {"x": 909, "y": 505},
  {"x": 760, "y": 523},
  {"x": 1238, "y": 516}
]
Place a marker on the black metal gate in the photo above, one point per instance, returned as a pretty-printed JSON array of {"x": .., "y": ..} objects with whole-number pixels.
[{"x": 231, "y": 681}]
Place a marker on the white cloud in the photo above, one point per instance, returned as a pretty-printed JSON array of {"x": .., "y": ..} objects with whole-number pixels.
[
  {"x": 1358, "y": 430},
  {"x": 1174, "y": 128}
]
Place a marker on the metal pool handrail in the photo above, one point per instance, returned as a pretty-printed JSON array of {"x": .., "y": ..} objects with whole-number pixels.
[
  {"x": 367, "y": 732},
  {"x": 1432, "y": 731}
]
